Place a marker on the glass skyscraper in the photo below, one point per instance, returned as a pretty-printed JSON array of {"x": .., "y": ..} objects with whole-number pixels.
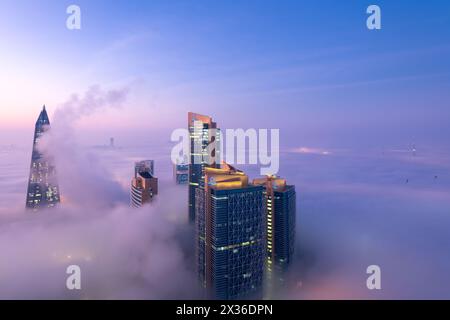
[
  {"x": 43, "y": 190},
  {"x": 280, "y": 223},
  {"x": 181, "y": 171},
  {"x": 231, "y": 228},
  {"x": 204, "y": 152}
]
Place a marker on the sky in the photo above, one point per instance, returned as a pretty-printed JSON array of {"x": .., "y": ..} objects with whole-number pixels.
[
  {"x": 350, "y": 103},
  {"x": 311, "y": 68}
]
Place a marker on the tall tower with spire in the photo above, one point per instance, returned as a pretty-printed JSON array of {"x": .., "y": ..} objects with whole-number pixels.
[{"x": 43, "y": 190}]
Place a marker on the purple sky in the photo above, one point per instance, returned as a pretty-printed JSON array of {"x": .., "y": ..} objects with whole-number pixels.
[{"x": 310, "y": 68}]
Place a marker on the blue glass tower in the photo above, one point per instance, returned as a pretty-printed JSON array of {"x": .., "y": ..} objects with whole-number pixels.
[
  {"x": 43, "y": 190},
  {"x": 280, "y": 201},
  {"x": 181, "y": 171},
  {"x": 231, "y": 229},
  {"x": 284, "y": 215}
]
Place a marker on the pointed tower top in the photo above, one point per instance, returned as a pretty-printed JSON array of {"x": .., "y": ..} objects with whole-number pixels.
[{"x": 43, "y": 118}]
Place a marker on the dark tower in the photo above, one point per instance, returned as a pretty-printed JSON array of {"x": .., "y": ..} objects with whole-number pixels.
[
  {"x": 230, "y": 216},
  {"x": 43, "y": 190},
  {"x": 280, "y": 229}
]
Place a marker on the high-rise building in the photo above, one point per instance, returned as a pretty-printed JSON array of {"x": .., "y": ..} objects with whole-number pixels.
[
  {"x": 230, "y": 235},
  {"x": 144, "y": 185},
  {"x": 43, "y": 190},
  {"x": 181, "y": 171},
  {"x": 144, "y": 166},
  {"x": 280, "y": 223},
  {"x": 204, "y": 152}
]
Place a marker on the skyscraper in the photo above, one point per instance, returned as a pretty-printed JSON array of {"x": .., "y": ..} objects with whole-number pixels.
[
  {"x": 181, "y": 171},
  {"x": 43, "y": 190},
  {"x": 144, "y": 166},
  {"x": 144, "y": 186},
  {"x": 280, "y": 218},
  {"x": 204, "y": 152},
  {"x": 230, "y": 227}
]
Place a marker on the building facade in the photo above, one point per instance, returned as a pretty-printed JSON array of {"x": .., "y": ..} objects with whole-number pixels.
[
  {"x": 230, "y": 230},
  {"x": 204, "y": 151},
  {"x": 181, "y": 171},
  {"x": 43, "y": 189},
  {"x": 144, "y": 166},
  {"x": 144, "y": 185},
  {"x": 280, "y": 201}
]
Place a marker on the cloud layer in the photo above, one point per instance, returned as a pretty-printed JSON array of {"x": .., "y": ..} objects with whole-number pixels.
[
  {"x": 122, "y": 252},
  {"x": 355, "y": 209}
]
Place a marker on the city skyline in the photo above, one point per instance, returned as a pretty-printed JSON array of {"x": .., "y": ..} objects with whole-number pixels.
[
  {"x": 224, "y": 199},
  {"x": 336, "y": 184}
]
